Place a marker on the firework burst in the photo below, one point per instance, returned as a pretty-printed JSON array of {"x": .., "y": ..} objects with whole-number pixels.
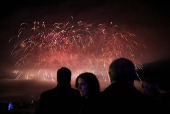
[{"x": 79, "y": 46}]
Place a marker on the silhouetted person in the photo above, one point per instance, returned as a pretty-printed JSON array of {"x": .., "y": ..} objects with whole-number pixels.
[
  {"x": 150, "y": 88},
  {"x": 165, "y": 90},
  {"x": 61, "y": 99},
  {"x": 88, "y": 86},
  {"x": 121, "y": 96}
]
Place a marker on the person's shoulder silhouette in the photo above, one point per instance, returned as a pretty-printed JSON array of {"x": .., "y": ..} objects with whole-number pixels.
[{"x": 60, "y": 99}]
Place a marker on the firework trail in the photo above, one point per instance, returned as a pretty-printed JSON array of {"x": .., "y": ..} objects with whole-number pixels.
[{"x": 79, "y": 46}]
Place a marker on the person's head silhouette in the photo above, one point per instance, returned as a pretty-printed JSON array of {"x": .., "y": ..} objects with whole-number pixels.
[
  {"x": 122, "y": 69},
  {"x": 88, "y": 84},
  {"x": 63, "y": 75}
]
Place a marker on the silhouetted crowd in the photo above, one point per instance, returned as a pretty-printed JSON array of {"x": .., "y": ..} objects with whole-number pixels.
[{"x": 125, "y": 94}]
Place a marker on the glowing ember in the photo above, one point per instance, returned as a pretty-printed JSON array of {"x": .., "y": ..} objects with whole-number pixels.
[{"x": 23, "y": 44}]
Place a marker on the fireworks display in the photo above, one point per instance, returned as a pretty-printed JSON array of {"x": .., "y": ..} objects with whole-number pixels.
[{"x": 43, "y": 48}]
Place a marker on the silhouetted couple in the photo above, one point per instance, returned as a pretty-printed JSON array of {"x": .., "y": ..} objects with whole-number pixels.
[
  {"x": 65, "y": 100},
  {"x": 121, "y": 96}
]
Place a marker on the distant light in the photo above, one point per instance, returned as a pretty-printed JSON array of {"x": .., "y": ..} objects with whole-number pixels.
[{"x": 10, "y": 106}]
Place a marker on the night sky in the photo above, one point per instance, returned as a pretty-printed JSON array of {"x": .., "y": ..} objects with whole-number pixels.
[{"x": 148, "y": 20}]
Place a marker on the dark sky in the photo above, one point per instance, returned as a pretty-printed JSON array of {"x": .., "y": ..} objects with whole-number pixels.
[{"x": 148, "y": 20}]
